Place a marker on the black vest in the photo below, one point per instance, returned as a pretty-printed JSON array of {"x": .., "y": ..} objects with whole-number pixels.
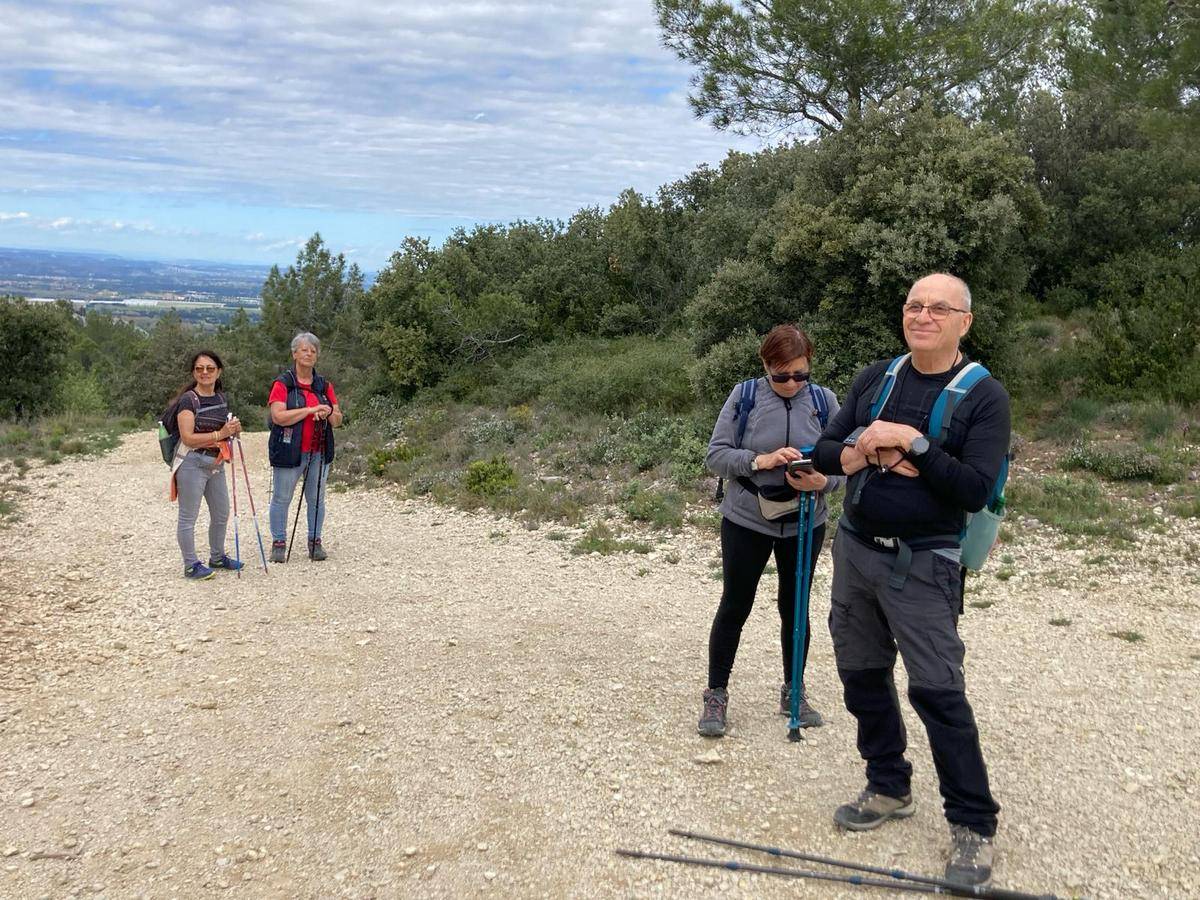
[{"x": 284, "y": 447}]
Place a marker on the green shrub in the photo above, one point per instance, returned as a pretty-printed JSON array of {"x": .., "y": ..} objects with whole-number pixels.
[
  {"x": 731, "y": 361},
  {"x": 662, "y": 509},
  {"x": 491, "y": 430},
  {"x": 378, "y": 460},
  {"x": 1119, "y": 463},
  {"x": 490, "y": 478},
  {"x": 610, "y": 377},
  {"x": 601, "y": 539},
  {"x": 521, "y": 416},
  {"x": 81, "y": 393}
]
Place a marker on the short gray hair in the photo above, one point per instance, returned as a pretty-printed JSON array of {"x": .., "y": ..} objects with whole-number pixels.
[{"x": 307, "y": 337}]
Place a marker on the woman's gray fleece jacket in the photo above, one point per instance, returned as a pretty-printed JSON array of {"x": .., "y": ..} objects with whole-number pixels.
[{"x": 773, "y": 423}]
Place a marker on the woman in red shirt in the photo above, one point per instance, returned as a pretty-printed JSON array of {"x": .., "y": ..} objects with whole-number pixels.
[{"x": 303, "y": 405}]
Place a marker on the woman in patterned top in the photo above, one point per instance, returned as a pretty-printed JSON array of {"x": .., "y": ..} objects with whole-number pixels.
[{"x": 205, "y": 427}]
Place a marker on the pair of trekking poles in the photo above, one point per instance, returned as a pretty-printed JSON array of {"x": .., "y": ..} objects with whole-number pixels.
[
  {"x": 804, "y": 552},
  {"x": 236, "y": 448}
]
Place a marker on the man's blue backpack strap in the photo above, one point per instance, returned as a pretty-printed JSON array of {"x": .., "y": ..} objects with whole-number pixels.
[
  {"x": 952, "y": 395},
  {"x": 885, "y": 386},
  {"x": 744, "y": 405}
]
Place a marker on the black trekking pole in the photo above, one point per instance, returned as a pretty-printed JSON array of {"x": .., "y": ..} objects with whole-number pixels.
[
  {"x": 940, "y": 885},
  {"x": 732, "y": 865},
  {"x": 312, "y": 546},
  {"x": 299, "y": 503}
]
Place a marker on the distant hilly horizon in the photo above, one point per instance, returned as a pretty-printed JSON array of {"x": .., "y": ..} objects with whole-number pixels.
[
  {"x": 110, "y": 255},
  {"x": 87, "y": 274}
]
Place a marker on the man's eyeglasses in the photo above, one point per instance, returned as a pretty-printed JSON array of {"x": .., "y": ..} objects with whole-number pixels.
[
  {"x": 936, "y": 311},
  {"x": 204, "y": 369},
  {"x": 785, "y": 377}
]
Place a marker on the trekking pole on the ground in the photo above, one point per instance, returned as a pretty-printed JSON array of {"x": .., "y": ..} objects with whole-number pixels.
[
  {"x": 320, "y": 481},
  {"x": 299, "y": 503},
  {"x": 941, "y": 885},
  {"x": 800, "y": 611},
  {"x": 237, "y": 547},
  {"x": 253, "y": 512},
  {"x": 732, "y": 865}
]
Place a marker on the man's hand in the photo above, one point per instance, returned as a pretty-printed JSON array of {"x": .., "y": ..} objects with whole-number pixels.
[
  {"x": 886, "y": 434},
  {"x": 853, "y": 460},
  {"x": 893, "y": 460},
  {"x": 780, "y": 457},
  {"x": 807, "y": 481}
]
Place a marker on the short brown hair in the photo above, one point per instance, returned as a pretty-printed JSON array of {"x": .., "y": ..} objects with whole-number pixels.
[{"x": 784, "y": 343}]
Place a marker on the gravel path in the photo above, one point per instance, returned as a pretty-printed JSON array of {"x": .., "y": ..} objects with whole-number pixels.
[{"x": 451, "y": 706}]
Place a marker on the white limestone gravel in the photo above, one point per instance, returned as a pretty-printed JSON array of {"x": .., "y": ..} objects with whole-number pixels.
[{"x": 452, "y": 706}]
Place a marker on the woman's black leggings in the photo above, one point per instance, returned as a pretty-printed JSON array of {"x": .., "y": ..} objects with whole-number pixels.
[{"x": 744, "y": 555}]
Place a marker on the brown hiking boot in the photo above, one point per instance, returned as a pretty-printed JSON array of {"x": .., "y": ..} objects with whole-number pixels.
[
  {"x": 871, "y": 810},
  {"x": 712, "y": 719},
  {"x": 971, "y": 857}
]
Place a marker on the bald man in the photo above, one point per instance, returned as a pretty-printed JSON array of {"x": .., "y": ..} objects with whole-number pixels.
[{"x": 897, "y": 581}]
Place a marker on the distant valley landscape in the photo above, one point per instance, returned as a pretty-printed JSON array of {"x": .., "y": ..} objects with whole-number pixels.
[{"x": 202, "y": 293}]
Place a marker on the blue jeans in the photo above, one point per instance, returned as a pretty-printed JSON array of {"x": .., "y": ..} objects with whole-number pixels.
[{"x": 283, "y": 486}]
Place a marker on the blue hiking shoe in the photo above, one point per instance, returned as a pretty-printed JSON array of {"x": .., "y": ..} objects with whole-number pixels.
[
  {"x": 225, "y": 562},
  {"x": 198, "y": 571}
]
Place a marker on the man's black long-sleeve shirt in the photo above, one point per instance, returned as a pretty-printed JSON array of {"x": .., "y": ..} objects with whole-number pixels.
[{"x": 956, "y": 476}]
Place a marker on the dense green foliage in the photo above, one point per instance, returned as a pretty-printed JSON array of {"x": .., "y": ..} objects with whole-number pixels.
[
  {"x": 817, "y": 63},
  {"x": 34, "y": 339}
]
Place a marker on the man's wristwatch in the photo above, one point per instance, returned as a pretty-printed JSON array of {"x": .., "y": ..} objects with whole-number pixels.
[
  {"x": 919, "y": 447},
  {"x": 754, "y": 464}
]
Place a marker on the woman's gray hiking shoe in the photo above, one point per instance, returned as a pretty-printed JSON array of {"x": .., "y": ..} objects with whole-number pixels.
[
  {"x": 871, "y": 810},
  {"x": 971, "y": 857},
  {"x": 712, "y": 720},
  {"x": 279, "y": 551},
  {"x": 809, "y": 717},
  {"x": 315, "y": 551}
]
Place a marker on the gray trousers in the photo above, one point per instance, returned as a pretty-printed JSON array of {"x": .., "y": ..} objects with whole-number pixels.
[
  {"x": 197, "y": 478},
  {"x": 869, "y": 621}
]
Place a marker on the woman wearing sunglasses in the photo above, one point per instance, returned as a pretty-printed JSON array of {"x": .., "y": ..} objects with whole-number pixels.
[
  {"x": 759, "y": 512},
  {"x": 199, "y": 471}
]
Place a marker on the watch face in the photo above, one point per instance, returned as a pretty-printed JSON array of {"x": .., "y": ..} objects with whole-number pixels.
[{"x": 920, "y": 444}]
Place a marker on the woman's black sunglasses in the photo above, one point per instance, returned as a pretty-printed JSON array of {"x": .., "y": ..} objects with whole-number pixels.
[{"x": 785, "y": 377}]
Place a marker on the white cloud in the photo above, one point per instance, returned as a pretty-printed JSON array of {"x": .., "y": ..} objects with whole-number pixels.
[
  {"x": 476, "y": 110},
  {"x": 8, "y": 217}
]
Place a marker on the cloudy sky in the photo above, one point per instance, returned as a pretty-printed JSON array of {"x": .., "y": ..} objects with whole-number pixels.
[{"x": 233, "y": 132}]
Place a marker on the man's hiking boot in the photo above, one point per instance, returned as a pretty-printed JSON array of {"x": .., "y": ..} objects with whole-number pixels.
[
  {"x": 809, "y": 717},
  {"x": 315, "y": 551},
  {"x": 279, "y": 551},
  {"x": 712, "y": 720},
  {"x": 871, "y": 810},
  {"x": 225, "y": 562},
  {"x": 198, "y": 571},
  {"x": 971, "y": 857}
]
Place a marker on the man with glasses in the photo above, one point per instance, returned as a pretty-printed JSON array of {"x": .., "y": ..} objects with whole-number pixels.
[{"x": 897, "y": 581}]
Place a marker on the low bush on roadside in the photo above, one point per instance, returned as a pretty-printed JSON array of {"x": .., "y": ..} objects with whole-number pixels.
[
  {"x": 603, "y": 540},
  {"x": 1120, "y": 463},
  {"x": 489, "y": 478},
  {"x": 662, "y": 509}
]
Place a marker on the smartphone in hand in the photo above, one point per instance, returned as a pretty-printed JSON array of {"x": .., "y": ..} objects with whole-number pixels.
[{"x": 800, "y": 466}]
